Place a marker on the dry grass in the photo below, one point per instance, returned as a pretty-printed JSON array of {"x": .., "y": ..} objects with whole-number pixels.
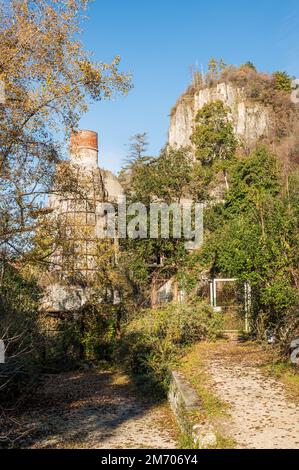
[
  {"x": 192, "y": 366},
  {"x": 213, "y": 410},
  {"x": 249, "y": 353}
]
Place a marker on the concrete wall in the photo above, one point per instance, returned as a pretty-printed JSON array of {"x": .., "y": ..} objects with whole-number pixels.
[{"x": 186, "y": 405}]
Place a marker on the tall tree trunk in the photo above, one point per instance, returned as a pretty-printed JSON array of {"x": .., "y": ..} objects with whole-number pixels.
[{"x": 154, "y": 296}]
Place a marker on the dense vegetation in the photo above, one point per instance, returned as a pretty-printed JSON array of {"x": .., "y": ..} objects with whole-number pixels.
[
  {"x": 251, "y": 205},
  {"x": 48, "y": 79},
  {"x": 153, "y": 340},
  {"x": 251, "y": 202},
  {"x": 253, "y": 235}
]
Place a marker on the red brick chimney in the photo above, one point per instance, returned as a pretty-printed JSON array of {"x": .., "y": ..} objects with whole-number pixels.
[{"x": 84, "y": 148}]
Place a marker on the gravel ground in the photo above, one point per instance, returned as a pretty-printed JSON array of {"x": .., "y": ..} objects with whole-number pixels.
[
  {"x": 262, "y": 415},
  {"x": 100, "y": 410}
]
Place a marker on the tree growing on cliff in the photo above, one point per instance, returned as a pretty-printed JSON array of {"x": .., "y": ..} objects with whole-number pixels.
[
  {"x": 249, "y": 65},
  {"x": 213, "y": 137},
  {"x": 282, "y": 81}
]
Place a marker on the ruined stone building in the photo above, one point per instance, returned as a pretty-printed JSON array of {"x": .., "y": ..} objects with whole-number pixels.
[{"x": 75, "y": 215}]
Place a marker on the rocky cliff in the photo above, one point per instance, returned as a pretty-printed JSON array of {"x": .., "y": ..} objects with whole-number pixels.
[{"x": 251, "y": 120}]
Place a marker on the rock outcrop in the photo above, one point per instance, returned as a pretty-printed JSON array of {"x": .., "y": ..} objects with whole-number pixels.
[{"x": 251, "y": 120}]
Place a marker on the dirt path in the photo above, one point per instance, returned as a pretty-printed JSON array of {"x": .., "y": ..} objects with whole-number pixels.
[
  {"x": 95, "y": 410},
  {"x": 262, "y": 415}
]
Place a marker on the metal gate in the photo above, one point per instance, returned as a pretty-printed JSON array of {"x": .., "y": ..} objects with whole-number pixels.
[{"x": 231, "y": 297}]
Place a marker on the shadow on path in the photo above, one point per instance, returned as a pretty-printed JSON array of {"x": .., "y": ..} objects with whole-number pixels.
[{"x": 94, "y": 409}]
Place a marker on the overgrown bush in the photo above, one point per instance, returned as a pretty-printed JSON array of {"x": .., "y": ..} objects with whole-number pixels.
[
  {"x": 37, "y": 342},
  {"x": 19, "y": 297},
  {"x": 153, "y": 341},
  {"x": 99, "y": 330},
  {"x": 87, "y": 336},
  {"x": 253, "y": 236}
]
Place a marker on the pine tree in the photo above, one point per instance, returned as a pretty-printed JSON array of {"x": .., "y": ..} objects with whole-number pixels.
[{"x": 213, "y": 68}]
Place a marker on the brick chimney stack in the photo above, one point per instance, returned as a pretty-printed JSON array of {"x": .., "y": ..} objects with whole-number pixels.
[{"x": 84, "y": 149}]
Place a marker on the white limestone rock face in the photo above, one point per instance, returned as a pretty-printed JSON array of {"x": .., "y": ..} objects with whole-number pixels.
[{"x": 251, "y": 121}]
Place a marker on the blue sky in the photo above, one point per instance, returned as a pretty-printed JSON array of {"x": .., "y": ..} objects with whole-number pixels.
[{"x": 159, "y": 40}]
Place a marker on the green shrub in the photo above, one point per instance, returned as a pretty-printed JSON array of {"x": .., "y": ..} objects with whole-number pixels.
[
  {"x": 282, "y": 81},
  {"x": 154, "y": 340},
  {"x": 88, "y": 335},
  {"x": 19, "y": 297}
]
